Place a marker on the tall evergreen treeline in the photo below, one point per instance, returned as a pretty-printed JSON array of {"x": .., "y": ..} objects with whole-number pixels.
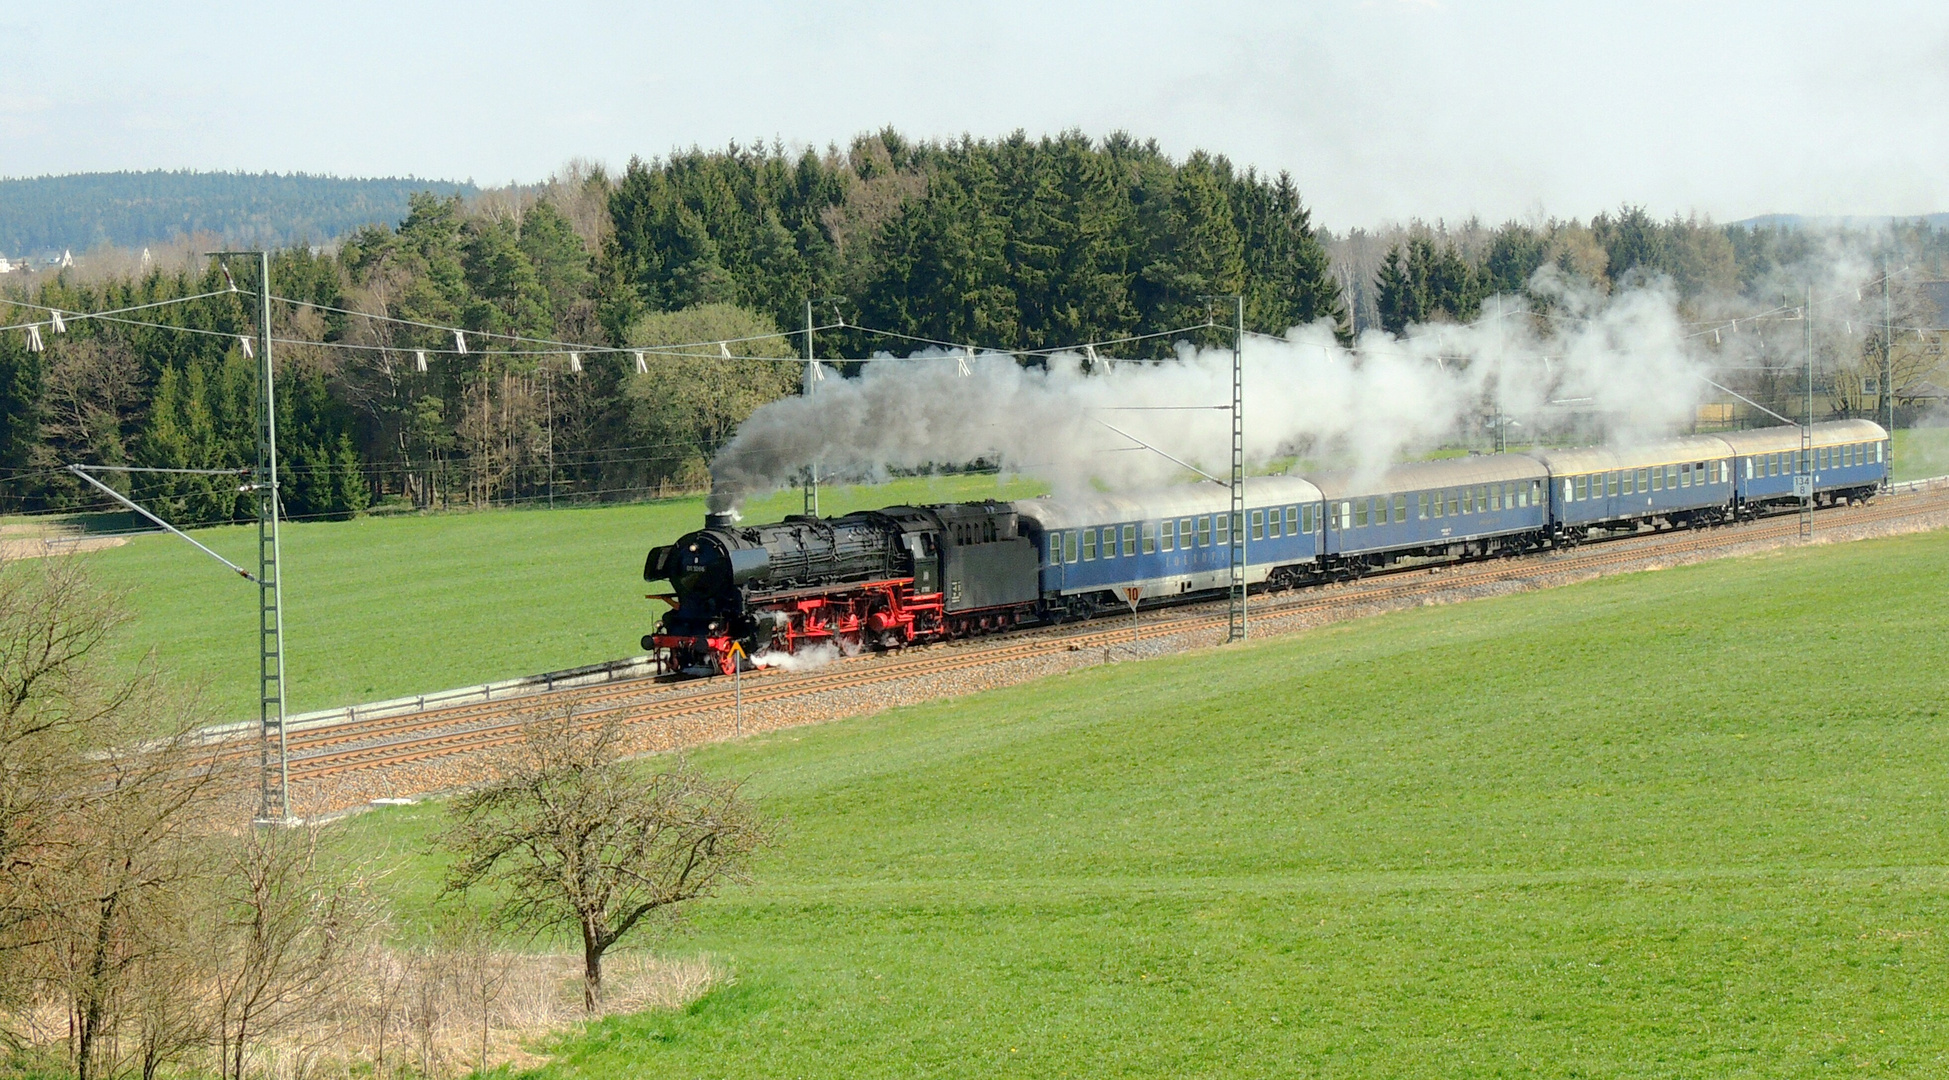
[{"x": 1015, "y": 243}]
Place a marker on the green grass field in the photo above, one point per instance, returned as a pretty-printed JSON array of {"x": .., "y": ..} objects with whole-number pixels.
[
  {"x": 385, "y": 606},
  {"x": 1921, "y": 452},
  {"x": 1677, "y": 824}
]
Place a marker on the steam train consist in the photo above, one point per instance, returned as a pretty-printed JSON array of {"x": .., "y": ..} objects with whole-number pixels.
[{"x": 906, "y": 574}]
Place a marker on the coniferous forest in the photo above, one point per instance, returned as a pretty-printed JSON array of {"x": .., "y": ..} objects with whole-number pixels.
[{"x": 1018, "y": 243}]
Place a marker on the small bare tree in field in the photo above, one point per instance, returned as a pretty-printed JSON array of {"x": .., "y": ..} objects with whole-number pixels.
[
  {"x": 572, "y": 835},
  {"x": 291, "y": 925}
]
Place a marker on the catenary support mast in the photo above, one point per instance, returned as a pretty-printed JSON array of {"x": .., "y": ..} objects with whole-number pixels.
[
  {"x": 1236, "y": 632},
  {"x": 1804, "y": 479}
]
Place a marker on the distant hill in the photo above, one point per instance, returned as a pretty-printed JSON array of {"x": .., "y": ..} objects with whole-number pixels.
[
  {"x": 1809, "y": 221},
  {"x": 131, "y": 209}
]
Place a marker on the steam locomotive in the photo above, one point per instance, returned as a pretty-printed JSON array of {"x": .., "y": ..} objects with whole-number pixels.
[{"x": 906, "y": 574}]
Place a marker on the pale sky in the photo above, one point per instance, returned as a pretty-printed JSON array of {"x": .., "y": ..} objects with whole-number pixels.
[{"x": 1381, "y": 109}]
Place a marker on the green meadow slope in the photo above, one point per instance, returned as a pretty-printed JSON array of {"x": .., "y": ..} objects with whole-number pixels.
[
  {"x": 384, "y": 606},
  {"x": 1677, "y": 824}
]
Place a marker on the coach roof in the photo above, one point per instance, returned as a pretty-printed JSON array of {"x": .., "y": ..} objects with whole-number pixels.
[
  {"x": 1430, "y": 475},
  {"x": 1178, "y": 501},
  {"x": 1590, "y": 459},
  {"x": 1832, "y": 433}
]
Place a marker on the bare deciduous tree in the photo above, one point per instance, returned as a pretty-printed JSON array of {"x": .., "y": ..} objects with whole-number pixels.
[
  {"x": 100, "y": 816},
  {"x": 292, "y": 921},
  {"x": 571, "y": 834}
]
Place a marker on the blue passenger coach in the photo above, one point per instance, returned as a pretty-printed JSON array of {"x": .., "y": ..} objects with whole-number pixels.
[
  {"x": 1850, "y": 461},
  {"x": 1462, "y": 506},
  {"x": 1682, "y": 481},
  {"x": 1171, "y": 542}
]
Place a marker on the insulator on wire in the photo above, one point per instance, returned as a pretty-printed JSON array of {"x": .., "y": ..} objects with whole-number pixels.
[
  {"x": 724, "y": 350},
  {"x": 54, "y": 320},
  {"x": 575, "y": 362},
  {"x": 642, "y": 365},
  {"x": 460, "y": 343},
  {"x": 249, "y": 352},
  {"x": 34, "y": 339},
  {"x": 1715, "y": 337},
  {"x": 419, "y": 360}
]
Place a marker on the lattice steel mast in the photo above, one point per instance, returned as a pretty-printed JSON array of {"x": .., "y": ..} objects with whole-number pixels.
[{"x": 1236, "y": 632}]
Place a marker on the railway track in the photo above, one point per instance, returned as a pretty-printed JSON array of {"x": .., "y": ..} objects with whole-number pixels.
[{"x": 337, "y": 750}]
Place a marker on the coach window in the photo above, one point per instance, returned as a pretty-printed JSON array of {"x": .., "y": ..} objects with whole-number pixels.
[
  {"x": 1400, "y": 508},
  {"x": 1671, "y": 476},
  {"x": 1204, "y": 531},
  {"x": 1055, "y": 549},
  {"x": 1536, "y": 493},
  {"x": 1110, "y": 542},
  {"x": 1360, "y": 513},
  {"x": 1089, "y": 545},
  {"x": 1258, "y": 524},
  {"x": 1069, "y": 546},
  {"x": 1879, "y": 447},
  {"x": 1224, "y": 537},
  {"x": 1522, "y": 496},
  {"x": 1272, "y": 523},
  {"x": 1306, "y": 519},
  {"x": 1150, "y": 538},
  {"x": 1610, "y": 484},
  {"x": 1164, "y": 532},
  {"x": 1569, "y": 490},
  {"x": 1421, "y": 509},
  {"x": 1685, "y": 475},
  {"x": 1187, "y": 534},
  {"x": 1129, "y": 541},
  {"x": 1581, "y": 490},
  {"x": 1627, "y": 482},
  {"x": 1292, "y": 520}
]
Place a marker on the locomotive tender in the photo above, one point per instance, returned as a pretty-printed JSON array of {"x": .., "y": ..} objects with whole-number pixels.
[{"x": 905, "y": 574}]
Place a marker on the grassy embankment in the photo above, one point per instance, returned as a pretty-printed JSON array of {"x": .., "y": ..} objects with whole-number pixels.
[
  {"x": 384, "y": 606},
  {"x": 1686, "y": 823}
]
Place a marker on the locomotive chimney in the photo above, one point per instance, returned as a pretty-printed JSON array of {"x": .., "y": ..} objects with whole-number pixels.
[{"x": 719, "y": 519}]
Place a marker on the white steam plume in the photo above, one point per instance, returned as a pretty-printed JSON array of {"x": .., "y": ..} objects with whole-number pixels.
[{"x": 1623, "y": 362}]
